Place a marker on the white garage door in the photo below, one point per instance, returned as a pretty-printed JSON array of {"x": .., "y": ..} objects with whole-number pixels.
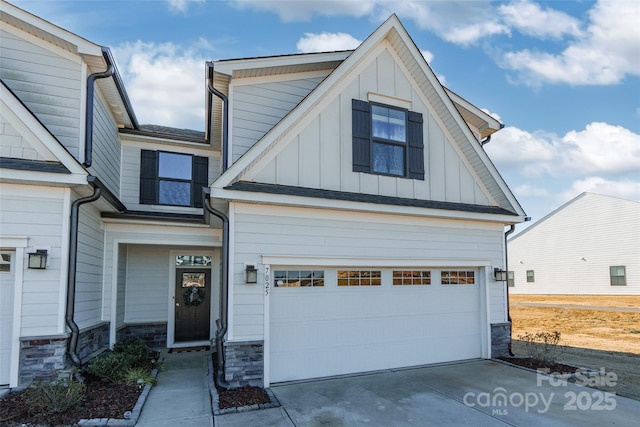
[{"x": 327, "y": 322}]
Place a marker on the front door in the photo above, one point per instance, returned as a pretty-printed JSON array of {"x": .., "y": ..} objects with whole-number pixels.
[{"x": 193, "y": 303}]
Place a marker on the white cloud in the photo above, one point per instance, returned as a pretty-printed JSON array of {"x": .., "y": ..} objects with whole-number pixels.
[
  {"x": 326, "y": 42},
  {"x": 182, "y": 5},
  {"x": 291, "y": 11},
  {"x": 531, "y": 19},
  {"x": 428, "y": 56},
  {"x": 165, "y": 82},
  {"x": 600, "y": 148},
  {"x": 608, "y": 51}
]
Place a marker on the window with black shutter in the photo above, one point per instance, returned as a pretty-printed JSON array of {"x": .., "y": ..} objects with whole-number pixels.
[
  {"x": 387, "y": 140},
  {"x": 173, "y": 179}
]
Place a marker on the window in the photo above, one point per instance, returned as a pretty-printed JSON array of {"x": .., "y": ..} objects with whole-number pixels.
[
  {"x": 387, "y": 140},
  {"x": 172, "y": 178},
  {"x": 296, "y": 278},
  {"x": 359, "y": 278},
  {"x": 407, "y": 277},
  {"x": 510, "y": 279},
  {"x": 530, "y": 276},
  {"x": 458, "y": 277},
  {"x": 5, "y": 263},
  {"x": 618, "y": 276},
  {"x": 193, "y": 261}
]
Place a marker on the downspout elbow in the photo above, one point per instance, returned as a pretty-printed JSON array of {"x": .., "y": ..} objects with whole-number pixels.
[
  {"x": 224, "y": 289},
  {"x": 88, "y": 123},
  {"x": 72, "y": 350}
]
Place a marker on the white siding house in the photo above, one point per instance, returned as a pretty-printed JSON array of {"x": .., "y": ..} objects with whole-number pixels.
[
  {"x": 588, "y": 246},
  {"x": 353, "y": 220}
]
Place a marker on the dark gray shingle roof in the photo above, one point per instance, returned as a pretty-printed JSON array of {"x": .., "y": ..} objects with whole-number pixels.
[
  {"x": 33, "y": 165},
  {"x": 167, "y": 132}
]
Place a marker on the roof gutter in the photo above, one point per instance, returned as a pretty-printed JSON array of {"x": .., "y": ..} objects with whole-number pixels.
[
  {"x": 225, "y": 119},
  {"x": 224, "y": 288}
]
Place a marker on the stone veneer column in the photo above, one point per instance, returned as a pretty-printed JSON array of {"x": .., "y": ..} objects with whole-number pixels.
[
  {"x": 500, "y": 339},
  {"x": 244, "y": 363},
  {"x": 40, "y": 357}
]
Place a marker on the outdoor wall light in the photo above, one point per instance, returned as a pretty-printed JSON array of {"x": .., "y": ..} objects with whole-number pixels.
[
  {"x": 38, "y": 259},
  {"x": 500, "y": 275},
  {"x": 251, "y": 273}
]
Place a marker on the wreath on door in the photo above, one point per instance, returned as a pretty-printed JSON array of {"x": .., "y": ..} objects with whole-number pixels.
[{"x": 193, "y": 296}]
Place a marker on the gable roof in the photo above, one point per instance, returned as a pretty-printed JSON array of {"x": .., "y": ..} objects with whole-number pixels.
[
  {"x": 60, "y": 165},
  {"x": 97, "y": 58},
  {"x": 392, "y": 32}
]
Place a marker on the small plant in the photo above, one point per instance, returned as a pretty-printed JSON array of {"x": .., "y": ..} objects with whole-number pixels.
[
  {"x": 114, "y": 365},
  {"x": 542, "y": 347},
  {"x": 54, "y": 397},
  {"x": 138, "y": 376}
]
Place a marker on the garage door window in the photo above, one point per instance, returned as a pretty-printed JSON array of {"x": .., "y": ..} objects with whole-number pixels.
[
  {"x": 298, "y": 278},
  {"x": 411, "y": 277},
  {"x": 359, "y": 278},
  {"x": 458, "y": 277}
]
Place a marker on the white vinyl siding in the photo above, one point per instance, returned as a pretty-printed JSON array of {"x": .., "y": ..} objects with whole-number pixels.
[
  {"x": 37, "y": 213},
  {"x": 106, "y": 146},
  {"x": 123, "y": 251},
  {"x": 16, "y": 146},
  {"x": 130, "y": 179},
  {"x": 89, "y": 280},
  {"x": 48, "y": 84},
  {"x": 257, "y": 108},
  {"x": 147, "y": 283},
  {"x": 320, "y": 156},
  {"x": 571, "y": 250},
  {"x": 279, "y": 231}
]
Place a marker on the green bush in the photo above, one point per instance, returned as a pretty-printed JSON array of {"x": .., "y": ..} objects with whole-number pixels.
[
  {"x": 138, "y": 376},
  {"x": 114, "y": 365},
  {"x": 54, "y": 397}
]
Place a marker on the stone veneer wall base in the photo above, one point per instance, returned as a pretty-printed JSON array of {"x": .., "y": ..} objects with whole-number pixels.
[
  {"x": 500, "y": 339},
  {"x": 153, "y": 334},
  {"x": 244, "y": 363}
]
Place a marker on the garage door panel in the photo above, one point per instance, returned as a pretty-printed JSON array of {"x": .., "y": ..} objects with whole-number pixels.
[{"x": 337, "y": 330}]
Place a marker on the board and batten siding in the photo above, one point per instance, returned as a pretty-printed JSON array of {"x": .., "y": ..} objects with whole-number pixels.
[
  {"x": 570, "y": 251},
  {"x": 106, "y": 146},
  {"x": 89, "y": 267},
  {"x": 47, "y": 83},
  {"x": 258, "y": 107},
  {"x": 320, "y": 156},
  {"x": 38, "y": 214},
  {"x": 130, "y": 179},
  {"x": 260, "y": 230}
]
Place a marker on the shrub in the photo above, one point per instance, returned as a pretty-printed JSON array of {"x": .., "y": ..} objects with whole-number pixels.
[
  {"x": 114, "y": 365},
  {"x": 138, "y": 376},
  {"x": 542, "y": 347},
  {"x": 54, "y": 397}
]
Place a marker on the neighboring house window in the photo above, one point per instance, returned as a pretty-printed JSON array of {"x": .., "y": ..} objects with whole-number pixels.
[
  {"x": 531, "y": 278},
  {"x": 296, "y": 279},
  {"x": 408, "y": 277},
  {"x": 173, "y": 179},
  {"x": 458, "y": 277},
  {"x": 387, "y": 140},
  {"x": 510, "y": 279},
  {"x": 618, "y": 276},
  {"x": 5, "y": 263},
  {"x": 359, "y": 278}
]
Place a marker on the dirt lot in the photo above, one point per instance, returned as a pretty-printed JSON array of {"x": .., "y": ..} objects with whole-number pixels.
[{"x": 594, "y": 338}]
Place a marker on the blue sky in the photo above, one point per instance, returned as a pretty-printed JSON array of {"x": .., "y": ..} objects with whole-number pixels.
[{"x": 563, "y": 76}]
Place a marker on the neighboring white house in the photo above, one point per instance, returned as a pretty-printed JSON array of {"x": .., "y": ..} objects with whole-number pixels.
[
  {"x": 354, "y": 220},
  {"x": 588, "y": 246}
]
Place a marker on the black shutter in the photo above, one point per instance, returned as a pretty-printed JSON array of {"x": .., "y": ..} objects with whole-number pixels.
[
  {"x": 416, "y": 145},
  {"x": 148, "y": 177},
  {"x": 200, "y": 179},
  {"x": 361, "y": 117}
]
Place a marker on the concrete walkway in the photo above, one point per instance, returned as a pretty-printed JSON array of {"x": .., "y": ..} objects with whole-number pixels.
[{"x": 181, "y": 396}]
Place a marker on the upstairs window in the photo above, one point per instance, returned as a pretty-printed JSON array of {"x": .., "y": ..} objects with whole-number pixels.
[
  {"x": 531, "y": 277},
  {"x": 387, "y": 140},
  {"x": 172, "y": 179},
  {"x": 618, "y": 275}
]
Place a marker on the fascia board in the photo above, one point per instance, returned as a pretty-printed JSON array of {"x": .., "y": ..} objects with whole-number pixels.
[
  {"x": 24, "y": 120},
  {"x": 83, "y": 45},
  {"x": 229, "y": 66},
  {"x": 492, "y": 123},
  {"x": 310, "y": 202},
  {"x": 42, "y": 178}
]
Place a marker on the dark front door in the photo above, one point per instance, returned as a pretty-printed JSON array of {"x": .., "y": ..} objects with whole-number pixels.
[{"x": 193, "y": 302}]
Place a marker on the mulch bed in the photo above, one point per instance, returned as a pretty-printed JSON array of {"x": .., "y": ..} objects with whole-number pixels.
[
  {"x": 530, "y": 363},
  {"x": 238, "y": 397},
  {"x": 101, "y": 400}
]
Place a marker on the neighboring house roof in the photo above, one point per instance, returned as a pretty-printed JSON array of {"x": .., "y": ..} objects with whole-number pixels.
[
  {"x": 590, "y": 197},
  {"x": 167, "y": 132},
  {"x": 51, "y": 155},
  {"x": 98, "y": 58},
  {"x": 393, "y": 33}
]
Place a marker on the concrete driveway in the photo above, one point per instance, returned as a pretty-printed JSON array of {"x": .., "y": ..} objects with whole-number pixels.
[{"x": 473, "y": 393}]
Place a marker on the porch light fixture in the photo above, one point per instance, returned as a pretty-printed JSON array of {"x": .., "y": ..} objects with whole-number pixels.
[
  {"x": 38, "y": 259},
  {"x": 500, "y": 275},
  {"x": 251, "y": 273}
]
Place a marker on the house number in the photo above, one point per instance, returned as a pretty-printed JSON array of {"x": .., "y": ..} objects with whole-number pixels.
[{"x": 267, "y": 279}]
